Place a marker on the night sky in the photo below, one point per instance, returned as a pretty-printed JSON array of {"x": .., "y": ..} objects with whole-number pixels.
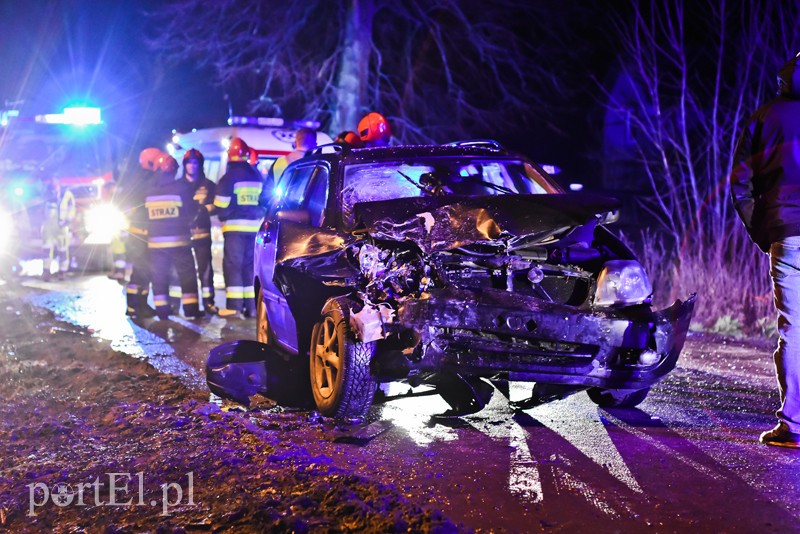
[
  {"x": 58, "y": 52},
  {"x": 63, "y": 51}
]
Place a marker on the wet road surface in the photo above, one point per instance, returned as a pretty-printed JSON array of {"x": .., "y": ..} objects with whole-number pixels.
[{"x": 687, "y": 458}]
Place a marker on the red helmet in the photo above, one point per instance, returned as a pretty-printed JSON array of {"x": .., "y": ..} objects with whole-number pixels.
[
  {"x": 238, "y": 150},
  {"x": 193, "y": 154},
  {"x": 167, "y": 164},
  {"x": 373, "y": 128},
  {"x": 348, "y": 137},
  {"x": 148, "y": 158},
  {"x": 252, "y": 157}
]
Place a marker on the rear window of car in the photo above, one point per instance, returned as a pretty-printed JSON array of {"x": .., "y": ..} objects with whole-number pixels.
[{"x": 369, "y": 182}]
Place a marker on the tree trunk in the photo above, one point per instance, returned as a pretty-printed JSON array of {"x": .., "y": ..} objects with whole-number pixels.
[{"x": 353, "y": 76}]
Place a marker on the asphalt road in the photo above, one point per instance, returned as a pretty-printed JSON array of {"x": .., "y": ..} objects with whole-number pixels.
[{"x": 686, "y": 459}]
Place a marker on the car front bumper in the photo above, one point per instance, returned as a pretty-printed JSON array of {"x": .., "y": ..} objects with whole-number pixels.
[{"x": 487, "y": 332}]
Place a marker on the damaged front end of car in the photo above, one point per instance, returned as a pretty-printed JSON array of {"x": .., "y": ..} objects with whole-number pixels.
[{"x": 531, "y": 287}]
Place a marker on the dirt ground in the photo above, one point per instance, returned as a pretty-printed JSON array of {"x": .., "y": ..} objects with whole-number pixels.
[{"x": 96, "y": 441}]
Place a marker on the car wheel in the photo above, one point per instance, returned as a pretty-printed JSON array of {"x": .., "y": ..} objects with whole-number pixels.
[
  {"x": 617, "y": 398},
  {"x": 341, "y": 380},
  {"x": 263, "y": 330}
]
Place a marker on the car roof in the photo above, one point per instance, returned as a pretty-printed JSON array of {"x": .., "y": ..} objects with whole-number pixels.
[{"x": 364, "y": 155}]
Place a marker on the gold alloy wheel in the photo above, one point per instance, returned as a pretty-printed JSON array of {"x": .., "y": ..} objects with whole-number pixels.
[
  {"x": 327, "y": 360},
  {"x": 263, "y": 333}
]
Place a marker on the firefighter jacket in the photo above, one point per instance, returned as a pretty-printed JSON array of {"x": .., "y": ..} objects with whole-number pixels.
[
  {"x": 59, "y": 206},
  {"x": 59, "y": 211},
  {"x": 130, "y": 198},
  {"x": 170, "y": 209},
  {"x": 237, "y": 198},
  {"x": 204, "y": 197},
  {"x": 765, "y": 180}
]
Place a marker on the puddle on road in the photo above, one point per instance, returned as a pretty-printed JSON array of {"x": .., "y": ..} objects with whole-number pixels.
[{"x": 98, "y": 303}]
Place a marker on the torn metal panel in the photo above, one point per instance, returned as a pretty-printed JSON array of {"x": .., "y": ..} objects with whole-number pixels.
[
  {"x": 448, "y": 222},
  {"x": 491, "y": 331},
  {"x": 368, "y": 323}
]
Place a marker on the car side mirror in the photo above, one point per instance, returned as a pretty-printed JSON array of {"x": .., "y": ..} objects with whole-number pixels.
[{"x": 297, "y": 216}]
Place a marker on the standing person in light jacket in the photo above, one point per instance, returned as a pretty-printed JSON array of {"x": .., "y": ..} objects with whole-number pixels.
[
  {"x": 765, "y": 186},
  {"x": 237, "y": 201}
]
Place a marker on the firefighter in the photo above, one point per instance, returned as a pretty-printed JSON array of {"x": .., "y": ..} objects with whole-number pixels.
[
  {"x": 203, "y": 188},
  {"x": 349, "y": 138},
  {"x": 373, "y": 128},
  {"x": 117, "y": 244},
  {"x": 237, "y": 201},
  {"x": 170, "y": 210},
  {"x": 59, "y": 212},
  {"x": 131, "y": 194}
]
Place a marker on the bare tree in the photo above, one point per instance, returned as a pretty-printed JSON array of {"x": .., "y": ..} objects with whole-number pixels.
[
  {"x": 436, "y": 68},
  {"x": 697, "y": 70}
]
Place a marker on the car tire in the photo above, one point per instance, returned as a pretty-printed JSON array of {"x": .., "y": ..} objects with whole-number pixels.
[
  {"x": 341, "y": 379},
  {"x": 263, "y": 329},
  {"x": 617, "y": 398}
]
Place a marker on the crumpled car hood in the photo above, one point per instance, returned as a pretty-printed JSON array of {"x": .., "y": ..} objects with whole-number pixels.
[{"x": 447, "y": 222}]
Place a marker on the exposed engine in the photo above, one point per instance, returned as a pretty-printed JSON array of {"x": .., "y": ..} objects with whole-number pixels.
[{"x": 396, "y": 273}]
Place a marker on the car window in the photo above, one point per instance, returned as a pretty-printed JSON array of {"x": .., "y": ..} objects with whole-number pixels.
[
  {"x": 294, "y": 189},
  {"x": 317, "y": 195},
  {"x": 387, "y": 180}
]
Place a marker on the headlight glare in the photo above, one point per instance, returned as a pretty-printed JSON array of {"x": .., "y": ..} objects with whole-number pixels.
[
  {"x": 102, "y": 222},
  {"x": 623, "y": 283}
]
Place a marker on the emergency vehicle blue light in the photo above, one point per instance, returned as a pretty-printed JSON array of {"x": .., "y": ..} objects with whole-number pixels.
[
  {"x": 256, "y": 121},
  {"x": 80, "y": 116},
  {"x": 575, "y": 187},
  {"x": 19, "y": 191},
  {"x": 75, "y": 116},
  {"x": 314, "y": 125}
]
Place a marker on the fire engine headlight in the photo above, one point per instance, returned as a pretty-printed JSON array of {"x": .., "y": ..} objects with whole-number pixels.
[
  {"x": 623, "y": 283},
  {"x": 6, "y": 229},
  {"x": 103, "y": 222}
]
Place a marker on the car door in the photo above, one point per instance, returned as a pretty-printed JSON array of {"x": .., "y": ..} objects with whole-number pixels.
[{"x": 303, "y": 192}]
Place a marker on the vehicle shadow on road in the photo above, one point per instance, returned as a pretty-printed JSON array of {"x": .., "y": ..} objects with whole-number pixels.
[{"x": 701, "y": 478}]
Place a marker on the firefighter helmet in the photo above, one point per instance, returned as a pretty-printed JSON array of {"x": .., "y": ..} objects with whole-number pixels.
[
  {"x": 238, "y": 150},
  {"x": 252, "y": 157},
  {"x": 148, "y": 158},
  {"x": 349, "y": 138},
  {"x": 374, "y": 129},
  {"x": 193, "y": 154},
  {"x": 167, "y": 164}
]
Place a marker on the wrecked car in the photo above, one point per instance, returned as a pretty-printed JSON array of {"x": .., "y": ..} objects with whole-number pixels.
[{"x": 449, "y": 265}]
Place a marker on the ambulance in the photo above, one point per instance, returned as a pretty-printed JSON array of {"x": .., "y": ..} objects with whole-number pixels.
[{"x": 270, "y": 137}]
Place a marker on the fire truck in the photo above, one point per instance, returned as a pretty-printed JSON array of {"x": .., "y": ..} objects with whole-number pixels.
[{"x": 74, "y": 148}]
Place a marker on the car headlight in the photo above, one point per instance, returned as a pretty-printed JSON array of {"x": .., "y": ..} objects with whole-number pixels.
[
  {"x": 622, "y": 283},
  {"x": 102, "y": 222}
]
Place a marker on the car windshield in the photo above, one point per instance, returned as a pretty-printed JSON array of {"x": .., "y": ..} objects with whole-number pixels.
[{"x": 388, "y": 180}]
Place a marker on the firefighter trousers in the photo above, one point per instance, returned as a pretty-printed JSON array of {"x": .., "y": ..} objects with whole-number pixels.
[
  {"x": 162, "y": 261},
  {"x": 205, "y": 273},
  {"x": 237, "y": 268},
  {"x": 138, "y": 287}
]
